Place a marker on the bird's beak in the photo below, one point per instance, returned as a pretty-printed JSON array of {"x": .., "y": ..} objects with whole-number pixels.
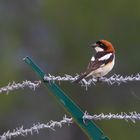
[{"x": 93, "y": 45}]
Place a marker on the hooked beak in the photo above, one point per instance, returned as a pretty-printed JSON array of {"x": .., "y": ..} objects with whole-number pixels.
[{"x": 94, "y": 45}]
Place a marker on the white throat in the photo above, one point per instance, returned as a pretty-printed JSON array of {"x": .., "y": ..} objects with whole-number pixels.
[{"x": 98, "y": 49}]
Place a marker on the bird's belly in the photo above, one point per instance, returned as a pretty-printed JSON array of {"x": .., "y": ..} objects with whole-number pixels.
[{"x": 102, "y": 71}]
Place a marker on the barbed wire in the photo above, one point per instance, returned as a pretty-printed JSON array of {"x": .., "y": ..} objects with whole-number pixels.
[
  {"x": 114, "y": 79},
  {"x": 13, "y": 86},
  {"x": 35, "y": 128},
  {"x": 132, "y": 116}
]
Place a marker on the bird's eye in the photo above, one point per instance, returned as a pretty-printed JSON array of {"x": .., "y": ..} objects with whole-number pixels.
[{"x": 101, "y": 45}]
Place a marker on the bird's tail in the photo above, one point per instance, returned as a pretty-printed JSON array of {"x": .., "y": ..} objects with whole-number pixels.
[{"x": 81, "y": 77}]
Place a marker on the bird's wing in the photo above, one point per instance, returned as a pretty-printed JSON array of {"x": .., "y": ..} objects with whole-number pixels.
[
  {"x": 93, "y": 65},
  {"x": 101, "y": 58}
]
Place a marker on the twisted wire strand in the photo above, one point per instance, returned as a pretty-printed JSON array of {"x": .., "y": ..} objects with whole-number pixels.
[
  {"x": 35, "y": 128},
  {"x": 14, "y": 86},
  {"x": 114, "y": 79},
  {"x": 132, "y": 116}
]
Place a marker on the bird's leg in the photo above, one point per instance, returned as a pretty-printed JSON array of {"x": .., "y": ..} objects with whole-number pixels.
[{"x": 99, "y": 80}]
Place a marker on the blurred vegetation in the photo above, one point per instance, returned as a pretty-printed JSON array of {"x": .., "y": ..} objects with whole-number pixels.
[{"x": 57, "y": 35}]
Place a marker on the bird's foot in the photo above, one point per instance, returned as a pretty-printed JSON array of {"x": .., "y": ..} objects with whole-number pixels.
[{"x": 99, "y": 80}]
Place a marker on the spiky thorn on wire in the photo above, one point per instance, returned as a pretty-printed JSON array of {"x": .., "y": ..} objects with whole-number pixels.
[
  {"x": 14, "y": 86},
  {"x": 114, "y": 79},
  {"x": 132, "y": 116},
  {"x": 35, "y": 128}
]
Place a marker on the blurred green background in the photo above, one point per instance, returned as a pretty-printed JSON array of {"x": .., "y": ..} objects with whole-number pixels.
[{"x": 57, "y": 35}]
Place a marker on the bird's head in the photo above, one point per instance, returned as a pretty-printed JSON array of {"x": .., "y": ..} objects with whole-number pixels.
[{"x": 103, "y": 45}]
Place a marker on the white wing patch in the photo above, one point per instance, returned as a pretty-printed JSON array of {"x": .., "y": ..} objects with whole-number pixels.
[
  {"x": 105, "y": 57},
  {"x": 93, "y": 58}
]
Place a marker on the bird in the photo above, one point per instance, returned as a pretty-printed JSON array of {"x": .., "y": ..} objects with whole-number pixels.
[{"x": 101, "y": 63}]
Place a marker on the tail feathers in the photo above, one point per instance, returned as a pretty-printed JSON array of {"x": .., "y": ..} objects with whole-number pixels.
[{"x": 80, "y": 77}]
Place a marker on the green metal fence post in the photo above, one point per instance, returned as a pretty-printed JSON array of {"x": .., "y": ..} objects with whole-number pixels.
[{"x": 90, "y": 128}]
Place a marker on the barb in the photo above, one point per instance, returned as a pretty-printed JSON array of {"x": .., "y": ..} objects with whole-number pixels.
[
  {"x": 132, "y": 116},
  {"x": 35, "y": 128},
  {"x": 14, "y": 86},
  {"x": 115, "y": 79}
]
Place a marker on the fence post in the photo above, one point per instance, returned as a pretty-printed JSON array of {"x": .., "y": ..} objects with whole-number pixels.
[{"x": 90, "y": 128}]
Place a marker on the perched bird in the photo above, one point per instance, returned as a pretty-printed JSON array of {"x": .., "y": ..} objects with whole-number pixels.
[{"x": 103, "y": 61}]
